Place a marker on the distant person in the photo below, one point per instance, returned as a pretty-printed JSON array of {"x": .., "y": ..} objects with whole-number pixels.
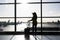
[{"x": 34, "y": 21}]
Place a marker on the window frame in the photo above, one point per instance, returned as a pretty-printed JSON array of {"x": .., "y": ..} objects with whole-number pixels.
[{"x": 22, "y": 33}]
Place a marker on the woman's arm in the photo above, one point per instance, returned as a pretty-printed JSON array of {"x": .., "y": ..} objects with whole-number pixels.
[{"x": 30, "y": 20}]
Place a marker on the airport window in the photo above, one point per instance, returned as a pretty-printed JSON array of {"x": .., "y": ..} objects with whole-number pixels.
[
  {"x": 51, "y": 15},
  {"x": 6, "y": 15},
  {"x": 7, "y": 1},
  {"x": 25, "y": 15},
  {"x": 12, "y": 14},
  {"x": 15, "y": 16}
]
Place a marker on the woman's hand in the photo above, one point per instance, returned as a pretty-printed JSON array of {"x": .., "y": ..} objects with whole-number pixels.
[{"x": 29, "y": 20}]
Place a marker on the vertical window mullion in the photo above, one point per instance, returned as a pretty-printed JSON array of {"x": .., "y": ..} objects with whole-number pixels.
[
  {"x": 15, "y": 15},
  {"x": 41, "y": 17}
]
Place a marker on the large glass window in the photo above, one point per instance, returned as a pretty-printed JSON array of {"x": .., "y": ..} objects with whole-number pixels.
[
  {"x": 26, "y": 1},
  {"x": 6, "y": 24},
  {"x": 51, "y": 0},
  {"x": 6, "y": 10},
  {"x": 7, "y": 16},
  {"x": 51, "y": 9},
  {"x": 14, "y": 16},
  {"x": 51, "y": 15},
  {"x": 24, "y": 13},
  {"x": 25, "y": 23},
  {"x": 26, "y": 10},
  {"x": 6, "y": 1}
]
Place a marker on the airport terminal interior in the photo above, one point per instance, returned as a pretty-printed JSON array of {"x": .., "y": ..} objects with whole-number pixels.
[{"x": 29, "y": 19}]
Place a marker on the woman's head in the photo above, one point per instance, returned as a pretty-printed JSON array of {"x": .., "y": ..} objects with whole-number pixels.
[{"x": 34, "y": 13}]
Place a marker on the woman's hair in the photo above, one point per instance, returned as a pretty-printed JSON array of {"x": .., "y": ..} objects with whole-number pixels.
[{"x": 34, "y": 14}]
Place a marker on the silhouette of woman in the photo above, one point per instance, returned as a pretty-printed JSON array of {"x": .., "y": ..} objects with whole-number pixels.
[{"x": 34, "y": 21}]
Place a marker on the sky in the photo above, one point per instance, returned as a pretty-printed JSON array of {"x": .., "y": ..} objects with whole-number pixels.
[
  {"x": 51, "y": 9},
  {"x": 26, "y": 10},
  {"x": 48, "y": 9},
  {"x": 6, "y": 1}
]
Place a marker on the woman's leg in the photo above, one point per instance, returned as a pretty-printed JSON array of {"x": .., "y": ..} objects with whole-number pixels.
[{"x": 35, "y": 28}]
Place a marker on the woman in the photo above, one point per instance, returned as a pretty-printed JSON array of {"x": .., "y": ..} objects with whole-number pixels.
[{"x": 34, "y": 21}]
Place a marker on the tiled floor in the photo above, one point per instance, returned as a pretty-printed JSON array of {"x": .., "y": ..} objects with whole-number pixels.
[{"x": 21, "y": 37}]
